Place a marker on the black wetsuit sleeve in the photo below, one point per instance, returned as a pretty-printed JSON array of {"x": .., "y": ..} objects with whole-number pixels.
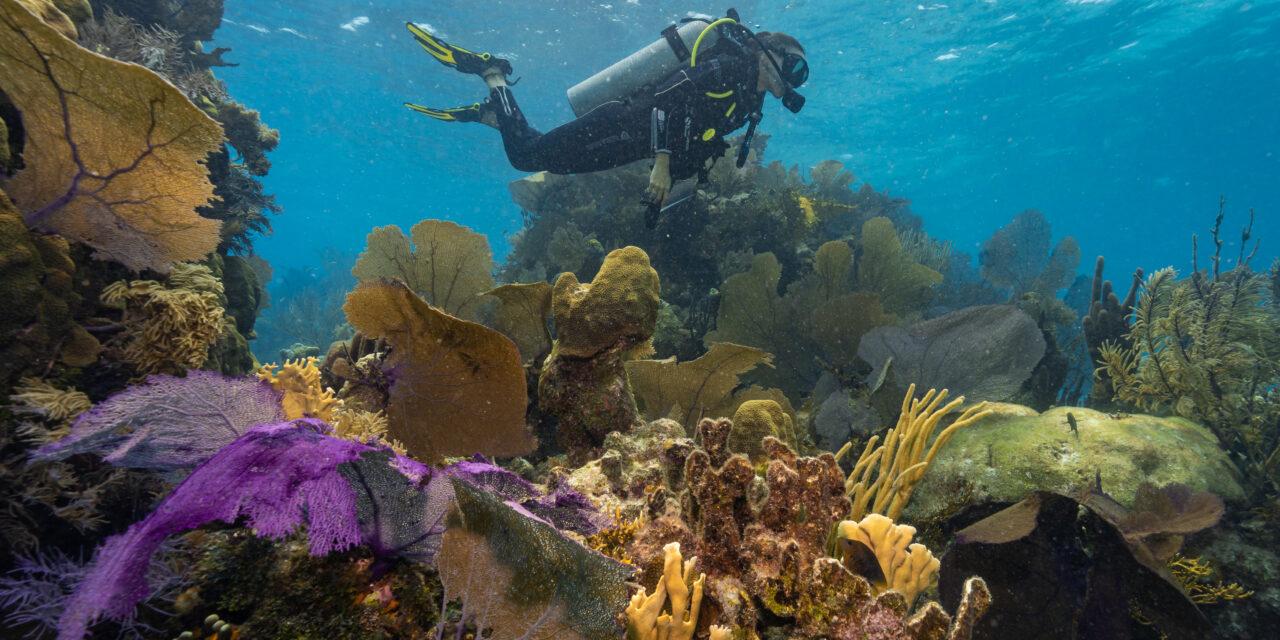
[{"x": 679, "y": 100}]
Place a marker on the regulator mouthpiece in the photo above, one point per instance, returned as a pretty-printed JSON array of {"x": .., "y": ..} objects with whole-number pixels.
[{"x": 793, "y": 101}]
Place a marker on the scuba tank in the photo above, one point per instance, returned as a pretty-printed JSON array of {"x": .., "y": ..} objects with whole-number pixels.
[{"x": 646, "y": 67}]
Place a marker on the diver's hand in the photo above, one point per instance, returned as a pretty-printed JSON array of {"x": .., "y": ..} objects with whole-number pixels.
[{"x": 659, "y": 180}]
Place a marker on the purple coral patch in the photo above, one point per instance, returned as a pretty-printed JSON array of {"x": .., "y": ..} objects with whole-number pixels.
[{"x": 276, "y": 476}]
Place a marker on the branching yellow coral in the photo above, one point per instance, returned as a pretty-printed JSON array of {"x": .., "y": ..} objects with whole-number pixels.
[
  {"x": 902, "y": 459},
  {"x": 612, "y": 540},
  {"x": 645, "y": 620},
  {"x": 908, "y": 568},
  {"x": 1194, "y": 574},
  {"x": 304, "y": 396},
  {"x": 358, "y": 425},
  {"x": 169, "y": 328}
]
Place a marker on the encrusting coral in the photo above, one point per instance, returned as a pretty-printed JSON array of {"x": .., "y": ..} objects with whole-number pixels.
[
  {"x": 129, "y": 180},
  {"x": 883, "y": 477}
]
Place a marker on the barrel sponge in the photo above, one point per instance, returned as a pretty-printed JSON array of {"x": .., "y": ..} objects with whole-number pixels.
[
  {"x": 621, "y": 303},
  {"x": 756, "y": 419}
]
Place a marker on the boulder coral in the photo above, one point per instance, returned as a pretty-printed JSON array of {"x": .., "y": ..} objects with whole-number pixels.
[
  {"x": 619, "y": 305},
  {"x": 36, "y": 276},
  {"x": 1015, "y": 450}
]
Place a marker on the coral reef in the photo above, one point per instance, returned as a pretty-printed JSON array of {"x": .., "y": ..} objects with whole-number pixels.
[{"x": 133, "y": 133}]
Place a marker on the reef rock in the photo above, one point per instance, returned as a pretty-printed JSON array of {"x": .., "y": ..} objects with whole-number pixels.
[{"x": 1015, "y": 451}]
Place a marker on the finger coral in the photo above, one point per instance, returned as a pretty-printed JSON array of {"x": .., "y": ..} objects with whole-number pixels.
[
  {"x": 304, "y": 396},
  {"x": 899, "y": 464},
  {"x": 457, "y": 388},
  {"x": 113, "y": 152},
  {"x": 645, "y": 617}
]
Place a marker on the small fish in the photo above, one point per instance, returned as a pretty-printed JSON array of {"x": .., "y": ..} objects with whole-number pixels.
[{"x": 1075, "y": 427}]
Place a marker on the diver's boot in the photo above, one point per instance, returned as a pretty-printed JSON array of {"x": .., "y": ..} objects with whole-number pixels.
[
  {"x": 481, "y": 112},
  {"x": 457, "y": 57}
]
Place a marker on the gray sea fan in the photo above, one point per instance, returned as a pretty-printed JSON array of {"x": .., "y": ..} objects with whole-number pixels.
[
  {"x": 170, "y": 423},
  {"x": 984, "y": 353}
]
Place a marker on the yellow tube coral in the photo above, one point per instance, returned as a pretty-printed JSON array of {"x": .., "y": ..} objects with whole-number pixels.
[{"x": 645, "y": 620}]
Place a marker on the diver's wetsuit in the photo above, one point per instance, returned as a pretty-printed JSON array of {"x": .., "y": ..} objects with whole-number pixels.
[{"x": 688, "y": 116}]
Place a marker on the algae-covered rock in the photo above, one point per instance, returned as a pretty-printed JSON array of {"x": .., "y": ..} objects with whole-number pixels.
[{"x": 1015, "y": 451}]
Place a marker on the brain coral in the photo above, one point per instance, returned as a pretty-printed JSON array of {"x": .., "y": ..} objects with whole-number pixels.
[{"x": 621, "y": 303}]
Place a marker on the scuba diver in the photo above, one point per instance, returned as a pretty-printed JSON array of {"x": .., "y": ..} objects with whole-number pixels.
[{"x": 673, "y": 101}]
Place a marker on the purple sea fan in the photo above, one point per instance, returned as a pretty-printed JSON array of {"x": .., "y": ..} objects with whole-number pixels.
[
  {"x": 276, "y": 476},
  {"x": 170, "y": 423},
  {"x": 563, "y": 508}
]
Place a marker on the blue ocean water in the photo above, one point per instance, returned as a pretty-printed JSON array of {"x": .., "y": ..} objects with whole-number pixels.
[{"x": 1122, "y": 121}]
